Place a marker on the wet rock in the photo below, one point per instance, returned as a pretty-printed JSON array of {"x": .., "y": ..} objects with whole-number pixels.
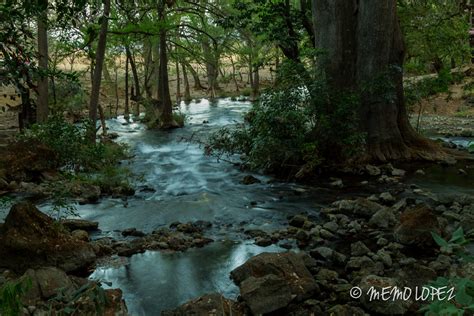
[
  {"x": 331, "y": 226},
  {"x": 416, "y": 226},
  {"x": 380, "y": 306},
  {"x": 254, "y": 233},
  {"x": 384, "y": 257},
  {"x": 298, "y": 221},
  {"x": 398, "y": 172},
  {"x": 81, "y": 235},
  {"x": 247, "y": 180},
  {"x": 384, "y": 218},
  {"x": 441, "y": 263},
  {"x": 359, "y": 249},
  {"x": 79, "y": 224},
  {"x": 46, "y": 283},
  {"x": 86, "y": 193},
  {"x": 265, "y": 294},
  {"x": 346, "y": 310},
  {"x": 328, "y": 254},
  {"x": 420, "y": 172},
  {"x": 132, "y": 232},
  {"x": 287, "y": 270},
  {"x": 357, "y": 263},
  {"x": 337, "y": 183},
  {"x": 373, "y": 170},
  {"x": 210, "y": 304},
  {"x": 28, "y": 233},
  {"x": 361, "y": 207},
  {"x": 263, "y": 241},
  {"x": 387, "y": 198}
]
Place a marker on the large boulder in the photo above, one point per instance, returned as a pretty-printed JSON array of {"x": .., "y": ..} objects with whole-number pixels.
[
  {"x": 270, "y": 281},
  {"x": 210, "y": 304},
  {"x": 416, "y": 226},
  {"x": 31, "y": 239}
]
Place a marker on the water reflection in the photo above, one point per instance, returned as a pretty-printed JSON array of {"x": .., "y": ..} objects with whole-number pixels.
[{"x": 155, "y": 281}]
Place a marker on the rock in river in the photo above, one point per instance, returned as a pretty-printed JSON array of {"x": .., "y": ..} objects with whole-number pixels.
[
  {"x": 270, "y": 281},
  {"x": 29, "y": 233}
]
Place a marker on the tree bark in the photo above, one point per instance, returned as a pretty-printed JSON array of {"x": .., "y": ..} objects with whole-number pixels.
[
  {"x": 363, "y": 45},
  {"x": 178, "y": 84},
  {"x": 42, "y": 102},
  {"x": 187, "y": 93},
  {"x": 98, "y": 70},
  {"x": 166, "y": 115},
  {"x": 212, "y": 68},
  {"x": 137, "y": 96},
  {"x": 127, "y": 96}
]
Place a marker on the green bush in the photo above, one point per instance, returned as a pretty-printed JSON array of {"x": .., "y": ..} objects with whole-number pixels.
[
  {"x": 298, "y": 125},
  {"x": 71, "y": 146},
  {"x": 10, "y": 297}
]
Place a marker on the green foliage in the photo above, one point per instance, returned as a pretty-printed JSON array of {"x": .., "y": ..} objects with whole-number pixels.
[
  {"x": 10, "y": 297},
  {"x": 179, "y": 118},
  {"x": 298, "y": 123},
  {"x": 464, "y": 287},
  {"x": 470, "y": 147},
  {"x": 72, "y": 148},
  {"x": 70, "y": 304},
  {"x": 455, "y": 244},
  {"x": 68, "y": 95},
  {"x": 416, "y": 91},
  {"x": 461, "y": 304},
  {"x": 436, "y": 33}
]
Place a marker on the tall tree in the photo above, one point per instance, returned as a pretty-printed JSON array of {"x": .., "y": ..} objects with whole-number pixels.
[
  {"x": 99, "y": 61},
  {"x": 166, "y": 115},
  {"x": 42, "y": 102},
  {"x": 363, "y": 43}
]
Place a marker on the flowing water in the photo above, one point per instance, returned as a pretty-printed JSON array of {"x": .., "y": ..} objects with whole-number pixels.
[
  {"x": 179, "y": 183},
  {"x": 191, "y": 186}
]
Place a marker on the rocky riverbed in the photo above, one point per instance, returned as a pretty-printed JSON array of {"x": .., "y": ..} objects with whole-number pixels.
[{"x": 384, "y": 240}]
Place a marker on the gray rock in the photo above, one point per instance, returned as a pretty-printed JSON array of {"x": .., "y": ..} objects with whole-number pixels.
[
  {"x": 265, "y": 294},
  {"x": 209, "y": 304},
  {"x": 290, "y": 267},
  {"x": 373, "y": 170},
  {"x": 420, "y": 172},
  {"x": 416, "y": 226},
  {"x": 247, "y": 180},
  {"x": 356, "y": 263},
  {"x": 385, "y": 258},
  {"x": 298, "y": 221},
  {"x": 81, "y": 224},
  {"x": 80, "y": 234},
  {"x": 386, "y": 197},
  {"x": 384, "y": 218},
  {"x": 331, "y": 226},
  {"x": 337, "y": 183},
  {"x": 359, "y": 249},
  {"x": 379, "y": 306},
  {"x": 398, "y": 172}
]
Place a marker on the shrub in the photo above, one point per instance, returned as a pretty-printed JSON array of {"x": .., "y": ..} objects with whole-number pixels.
[
  {"x": 294, "y": 127},
  {"x": 70, "y": 146},
  {"x": 10, "y": 296}
]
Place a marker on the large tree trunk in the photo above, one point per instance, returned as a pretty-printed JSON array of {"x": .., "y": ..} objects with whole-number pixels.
[
  {"x": 166, "y": 115},
  {"x": 187, "y": 93},
  {"x": 137, "y": 96},
  {"x": 42, "y": 102},
  {"x": 98, "y": 70},
  {"x": 363, "y": 45},
  {"x": 148, "y": 60},
  {"x": 127, "y": 96},
  {"x": 212, "y": 68}
]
